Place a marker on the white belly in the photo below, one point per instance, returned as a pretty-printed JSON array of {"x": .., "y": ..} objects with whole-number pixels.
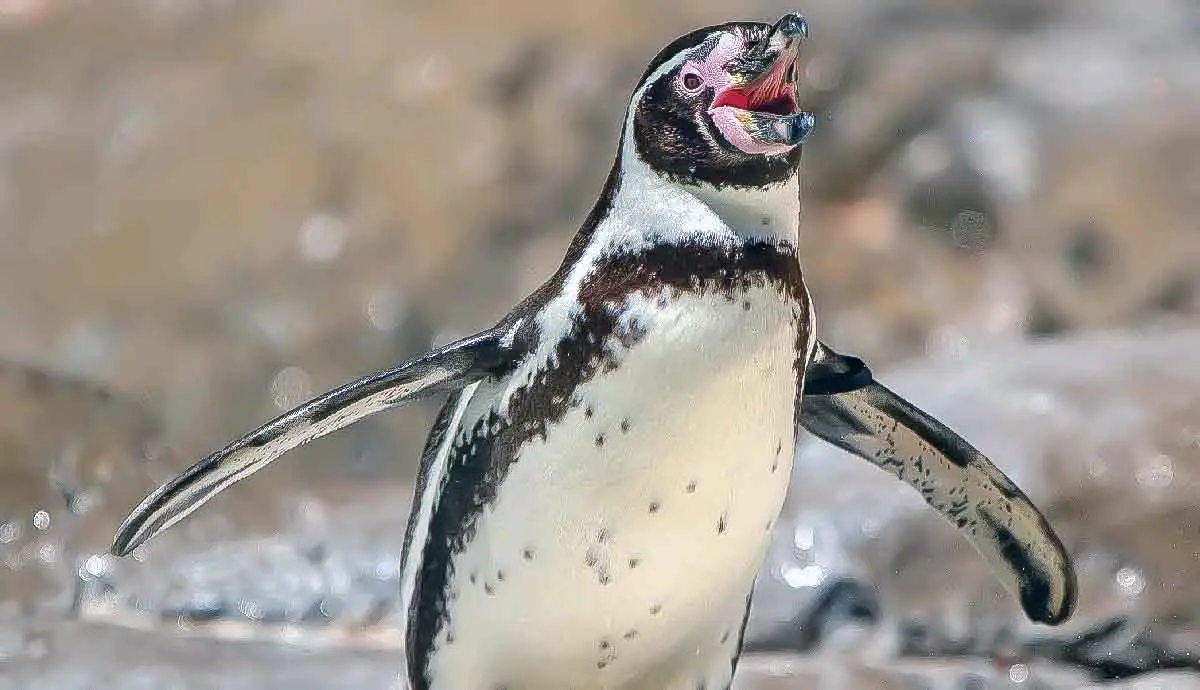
[{"x": 620, "y": 550}]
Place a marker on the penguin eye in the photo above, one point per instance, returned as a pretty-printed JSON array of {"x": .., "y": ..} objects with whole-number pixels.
[{"x": 692, "y": 81}]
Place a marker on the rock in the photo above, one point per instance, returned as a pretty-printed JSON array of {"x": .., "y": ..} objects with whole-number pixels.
[
  {"x": 1100, "y": 430},
  {"x": 73, "y": 655},
  {"x": 1109, "y": 237},
  {"x": 321, "y": 564},
  {"x": 74, "y": 457}
]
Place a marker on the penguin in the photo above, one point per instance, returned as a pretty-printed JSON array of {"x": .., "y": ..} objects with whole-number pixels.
[{"x": 595, "y": 498}]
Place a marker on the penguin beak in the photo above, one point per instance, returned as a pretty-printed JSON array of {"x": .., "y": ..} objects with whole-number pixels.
[{"x": 758, "y": 111}]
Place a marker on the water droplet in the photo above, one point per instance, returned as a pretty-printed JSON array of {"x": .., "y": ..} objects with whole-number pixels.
[
  {"x": 250, "y": 609},
  {"x": 41, "y": 520},
  {"x": 322, "y": 237},
  {"x": 804, "y": 537},
  {"x": 1018, "y": 673},
  {"x": 1130, "y": 582},
  {"x": 47, "y": 554},
  {"x": 806, "y": 576},
  {"x": 97, "y": 566},
  {"x": 290, "y": 387},
  {"x": 1156, "y": 474}
]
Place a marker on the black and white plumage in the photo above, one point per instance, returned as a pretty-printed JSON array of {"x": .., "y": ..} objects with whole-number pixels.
[{"x": 595, "y": 498}]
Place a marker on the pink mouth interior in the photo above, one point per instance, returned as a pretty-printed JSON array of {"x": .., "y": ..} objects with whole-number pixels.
[{"x": 772, "y": 94}]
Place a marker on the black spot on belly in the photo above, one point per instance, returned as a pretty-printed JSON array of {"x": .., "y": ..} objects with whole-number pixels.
[
  {"x": 488, "y": 588},
  {"x": 625, "y": 425},
  {"x": 630, "y": 634},
  {"x": 691, "y": 487},
  {"x": 634, "y": 562},
  {"x": 722, "y": 523},
  {"x": 654, "y": 506},
  {"x": 587, "y": 412},
  {"x": 655, "y": 609},
  {"x": 500, "y": 576},
  {"x": 527, "y": 554},
  {"x": 599, "y": 440}
]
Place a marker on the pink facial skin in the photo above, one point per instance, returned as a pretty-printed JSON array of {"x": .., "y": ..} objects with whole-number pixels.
[
  {"x": 725, "y": 118},
  {"x": 712, "y": 71}
]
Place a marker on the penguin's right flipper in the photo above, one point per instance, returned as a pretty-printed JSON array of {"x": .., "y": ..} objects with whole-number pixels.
[
  {"x": 448, "y": 368},
  {"x": 830, "y": 373},
  {"x": 848, "y": 409}
]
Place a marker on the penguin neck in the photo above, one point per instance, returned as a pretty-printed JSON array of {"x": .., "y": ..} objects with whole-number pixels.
[
  {"x": 668, "y": 208},
  {"x": 766, "y": 213}
]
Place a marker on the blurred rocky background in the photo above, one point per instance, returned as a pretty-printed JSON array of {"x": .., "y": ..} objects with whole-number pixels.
[{"x": 212, "y": 209}]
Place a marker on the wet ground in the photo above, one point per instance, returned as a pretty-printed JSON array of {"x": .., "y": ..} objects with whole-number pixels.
[{"x": 211, "y": 210}]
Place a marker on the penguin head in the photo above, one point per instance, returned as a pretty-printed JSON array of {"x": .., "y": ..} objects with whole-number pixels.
[{"x": 718, "y": 106}]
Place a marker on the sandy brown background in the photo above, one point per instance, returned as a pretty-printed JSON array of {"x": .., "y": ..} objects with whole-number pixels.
[{"x": 211, "y": 209}]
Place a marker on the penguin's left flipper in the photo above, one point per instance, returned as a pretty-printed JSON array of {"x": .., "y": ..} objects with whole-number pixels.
[
  {"x": 448, "y": 368},
  {"x": 843, "y": 405}
]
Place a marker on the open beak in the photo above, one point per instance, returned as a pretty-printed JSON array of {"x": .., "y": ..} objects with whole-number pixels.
[{"x": 758, "y": 112}]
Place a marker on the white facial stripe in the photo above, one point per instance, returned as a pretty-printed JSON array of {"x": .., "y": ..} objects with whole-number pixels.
[
  {"x": 712, "y": 68},
  {"x": 632, "y": 164}
]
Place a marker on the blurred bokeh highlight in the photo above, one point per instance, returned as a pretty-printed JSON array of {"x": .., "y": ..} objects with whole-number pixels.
[{"x": 213, "y": 209}]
